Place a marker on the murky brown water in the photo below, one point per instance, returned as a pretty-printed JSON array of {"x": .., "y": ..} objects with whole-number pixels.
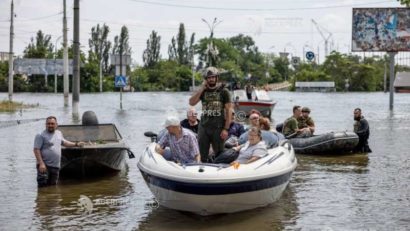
[{"x": 352, "y": 192}]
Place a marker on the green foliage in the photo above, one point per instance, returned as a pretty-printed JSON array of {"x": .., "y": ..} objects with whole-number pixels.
[
  {"x": 121, "y": 45},
  {"x": 4, "y": 70},
  {"x": 99, "y": 46},
  {"x": 361, "y": 74},
  {"x": 152, "y": 54},
  {"x": 404, "y": 2},
  {"x": 90, "y": 80},
  {"x": 41, "y": 47},
  {"x": 179, "y": 50}
]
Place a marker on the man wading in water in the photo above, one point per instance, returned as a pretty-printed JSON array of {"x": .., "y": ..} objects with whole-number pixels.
[
  {"x": 47, "y": 150},
  {"x": 216, "y": 113}
]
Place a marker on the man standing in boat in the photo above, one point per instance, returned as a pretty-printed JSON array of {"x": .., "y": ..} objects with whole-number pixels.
[
  {"x": 216, "y": 113},
  {"x": 361, "y": 128},
  {"x": 47, "y": 150}
]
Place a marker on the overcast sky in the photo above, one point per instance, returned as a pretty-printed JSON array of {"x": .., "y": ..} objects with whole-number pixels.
[{"x": 275, "y": 25}]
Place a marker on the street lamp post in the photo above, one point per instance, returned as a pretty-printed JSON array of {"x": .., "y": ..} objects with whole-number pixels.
[
  {"x": 293, "y": 47},
  {"x": 211, "y": 50},
  {"x": 55, "y": 67},
  {"x": 101, "y": 84}
]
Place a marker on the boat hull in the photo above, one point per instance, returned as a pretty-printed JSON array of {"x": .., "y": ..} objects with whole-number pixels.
[
  {"x": 92, "y": 161},
  {"x": 207, "y": 189},
  {"x": 221, "y": 203},
  {"x": 265, "y": 108},
  {"x": 329, "y": 143}
]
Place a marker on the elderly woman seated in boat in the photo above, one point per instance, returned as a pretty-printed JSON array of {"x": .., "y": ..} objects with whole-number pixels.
[
  {"x": 271, "y": 138},
  {"x": 253, "y": 149},
  {"x": 257, "y": 120}
]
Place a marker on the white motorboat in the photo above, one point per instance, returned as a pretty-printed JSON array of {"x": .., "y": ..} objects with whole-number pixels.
[
  {"x": 259, "y": 100},
  {"x": 208, "y": 189}
]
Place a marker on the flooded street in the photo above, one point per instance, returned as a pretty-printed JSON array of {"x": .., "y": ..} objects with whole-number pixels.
[{"x": 351, "y": 192}]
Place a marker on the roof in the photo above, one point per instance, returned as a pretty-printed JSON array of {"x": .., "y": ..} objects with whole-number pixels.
[
  {"x": 315, "y": 84},
  {"x": 402, "y": 79}
]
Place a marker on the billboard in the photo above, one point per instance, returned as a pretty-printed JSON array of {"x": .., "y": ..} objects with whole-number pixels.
[
  {"x": 381, "y": 29},
  {"x": 41, "y": 66}
]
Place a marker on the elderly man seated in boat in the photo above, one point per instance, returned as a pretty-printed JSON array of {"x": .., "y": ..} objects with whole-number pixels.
[
  {"x": 252, "y": 150},
  {"x": 182, "y": 143}
]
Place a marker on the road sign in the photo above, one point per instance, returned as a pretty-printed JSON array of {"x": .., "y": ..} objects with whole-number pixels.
[
  {"x": 120, "y": 81},
  {"x": 295, "y": 61},
  {"x": 283, "y": 55},
  {"x": 310, "y": 55}
]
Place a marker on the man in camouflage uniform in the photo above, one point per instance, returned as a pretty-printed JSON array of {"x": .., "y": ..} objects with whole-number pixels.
[
  {"x": 305, "y": 121},
  {"x": 290, "y": 126},
  {"x": 361, "y": 128},
  {"x": 216, "y": 115}
]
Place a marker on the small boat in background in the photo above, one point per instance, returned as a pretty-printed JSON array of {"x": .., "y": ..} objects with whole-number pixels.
[
  {"x": 207, "y": 189},
  {"x": 104, "y": 150},
  {"x": 259, "y": 100}
]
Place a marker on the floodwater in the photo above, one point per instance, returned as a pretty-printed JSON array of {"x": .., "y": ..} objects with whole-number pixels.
[{"x": 352, "y": 192}]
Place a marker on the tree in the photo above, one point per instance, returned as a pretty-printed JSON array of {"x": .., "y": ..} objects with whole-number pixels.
[
  {"x": 99, "y": 45},
  {"x": 248, "y": 51},
  {"x": 404, "y": 2},
  {"x": 151, "y": 55},
  {"x": 41, "y": 47},
  {"x": 178, "y": 50},
  {"x": 121, "y": 45}
]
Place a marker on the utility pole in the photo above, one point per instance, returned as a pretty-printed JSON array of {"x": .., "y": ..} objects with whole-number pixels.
[
  {"x": 101, "y": 85},
  {"x": 65, "y": 57},
  {"x": 392, "y": 55},
  {"x": 55, "y": 66},
  {"x": 121, "y": 75},
  {"x": 385, "y": 77},
  {"x": 11, "y": 52},
  {"x": 76, "y": 60}
]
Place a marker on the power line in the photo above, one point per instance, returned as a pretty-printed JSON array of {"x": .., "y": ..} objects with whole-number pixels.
[
  {"x": 254, "y": 9},
  {"x": 42, "y": 17}
]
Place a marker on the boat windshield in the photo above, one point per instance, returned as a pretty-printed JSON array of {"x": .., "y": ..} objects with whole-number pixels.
[
  {"x": 260, "y": 95},
  {"x": 93, "y": 133},
  {"x": 241, "y": 94}
]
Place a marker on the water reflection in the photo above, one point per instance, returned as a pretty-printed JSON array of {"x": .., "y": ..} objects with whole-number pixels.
[
  {"x": 59, "y": 207},
  {"x": 357, "y": 163},
  {"x": 276, "y": 216}
]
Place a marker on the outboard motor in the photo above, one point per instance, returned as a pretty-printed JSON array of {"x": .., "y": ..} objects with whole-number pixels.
[{"x": 89, "y": 118}]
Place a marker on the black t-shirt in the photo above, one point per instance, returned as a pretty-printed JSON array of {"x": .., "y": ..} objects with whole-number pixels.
[
  {"x": 213, "y": 106},
  {"x": 185, "y": 124}
]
